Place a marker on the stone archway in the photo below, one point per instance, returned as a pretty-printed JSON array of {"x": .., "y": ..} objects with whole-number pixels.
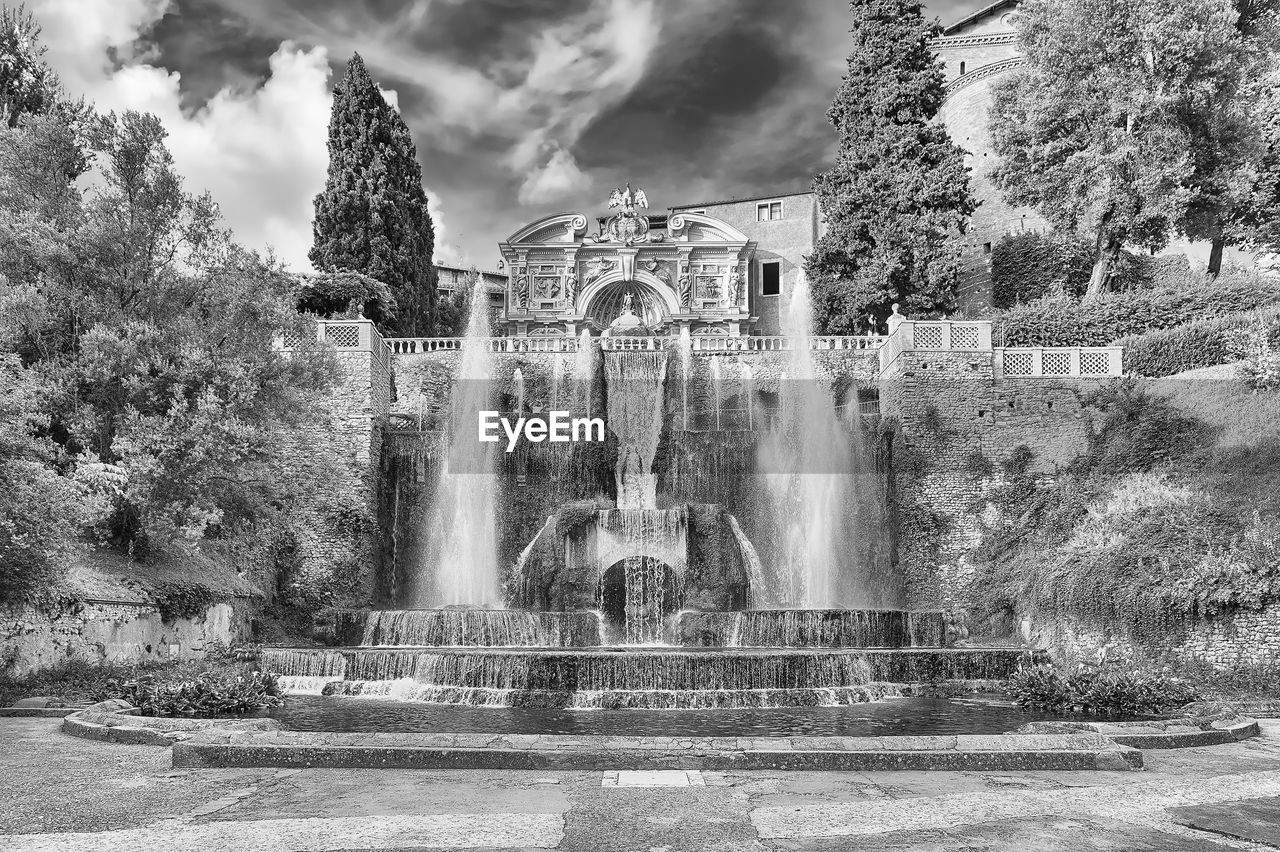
[
  {"x": 636, "y": 595},
  {"x": 651, "y": 299}
]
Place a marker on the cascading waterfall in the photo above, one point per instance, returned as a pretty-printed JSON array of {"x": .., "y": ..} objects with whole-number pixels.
[
  {"x": 808, "y": 459},
  {"x": 635, "y": 385},
  {"x": 717, "y": 390},
  {"x": 653, "y": 543},
  {"x": 685, "y": 347},
  {"x": 811, "y": 628},
  {"x": 482, "y": 628},
  {"x": 748, "y": 392},
  {"x": 461, "y": 564},
  {"x": 584, "y": 371},
  {"x": 760, "y": 592},
  {"x": 517, "y": 378}
]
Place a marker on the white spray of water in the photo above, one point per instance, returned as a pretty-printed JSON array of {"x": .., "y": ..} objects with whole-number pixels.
[
  {"x": 461, "y": 556},
  {"x": 518, "y": 379},
  {"x": 685, "y": 346},
  {"x": 808, "y": 457},
  {"x": 717, "y": 389}
]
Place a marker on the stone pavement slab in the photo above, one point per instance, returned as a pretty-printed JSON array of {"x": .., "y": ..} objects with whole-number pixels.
[
  {"x": 653, "y": 778},
  {"x": 1255, "y": 820}
]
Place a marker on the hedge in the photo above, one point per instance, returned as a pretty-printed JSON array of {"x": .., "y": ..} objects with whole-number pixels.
[
  {"x": 1205, "y": 343},
  {"x": 1026, "y": 266},
  {"x": 1108, "y": 318}
]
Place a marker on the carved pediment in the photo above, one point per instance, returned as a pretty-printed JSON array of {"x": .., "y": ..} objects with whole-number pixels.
[{"x": 560, "y": 228}]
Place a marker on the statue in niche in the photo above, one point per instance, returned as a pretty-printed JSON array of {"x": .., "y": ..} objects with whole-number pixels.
[
  {"x": 735, "y": 287},
  {"x": 571, "y": 287},
  {"x": 522, "y": 291},
  {"x": 686, "y": 290},
  {"x": 626, "y": 304}
]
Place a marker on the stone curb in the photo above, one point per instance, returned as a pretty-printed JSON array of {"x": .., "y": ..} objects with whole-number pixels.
[
  {"x": 1186, "y": 732},
  {"x": 1220, "y": 733},
  {"x": 462, "y": 751},
  {"x": 120, "y": 724}
]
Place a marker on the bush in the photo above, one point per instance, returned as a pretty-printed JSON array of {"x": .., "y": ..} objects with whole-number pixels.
[
  {"x": 1029, "y": 265},
  {"x": 1205, "y": 343},
  {"x": 1112, "y": 316},
  {"x": 1260, "y": 369},
  {"x": 223, "y": 691},
  {"x": 1100, "y": 689}
]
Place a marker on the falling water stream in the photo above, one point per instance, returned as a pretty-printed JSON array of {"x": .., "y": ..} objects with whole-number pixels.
[{"x": 461, "y": 564}]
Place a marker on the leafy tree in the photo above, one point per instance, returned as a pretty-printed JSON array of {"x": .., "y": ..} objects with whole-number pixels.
[
  {"x": 1230, "y": 113},
  {"x": 28, "y": 86},
  {"x": 334, "y": 293},
  {"x": 153, "y": 333},
  {"x": 1255, "y": 221},
  {"x": 372, "y": 215},
  {"x": 1116, "y": 128},
  {"x": 454, "y": 309},
  {"x": 898, "y": 193}
]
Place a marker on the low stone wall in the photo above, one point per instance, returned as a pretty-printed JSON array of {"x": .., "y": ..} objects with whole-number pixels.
[
  {"x": 97, "y": 631},
  {"x": 118, "y": 722},
  {"x": 1245, "y": 639}
]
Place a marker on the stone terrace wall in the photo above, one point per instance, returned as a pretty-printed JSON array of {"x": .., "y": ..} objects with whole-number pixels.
[
  {"x": 956, "y": 424},
  {"x": 343, "y": 540},
  {"x": 1246, "y": 638},
  {"x": 122, "y": 631}
]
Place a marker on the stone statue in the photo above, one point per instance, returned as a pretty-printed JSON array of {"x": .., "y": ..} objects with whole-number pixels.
[
  {"x": 686, "y": 290},
  {"x": 571, "y": 287},
  {"x": 626, "y": 304},
  {"x": 895, "y": 319},
  {"x": 522, "y": 292},
  {"x": 735, "y": 287}
]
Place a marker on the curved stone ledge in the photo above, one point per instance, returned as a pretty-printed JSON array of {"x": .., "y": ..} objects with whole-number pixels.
[
  {"x": 1184, "y": 732},
  {"x": 118, "y": 722},
  {"x": 289, "y": 749}
]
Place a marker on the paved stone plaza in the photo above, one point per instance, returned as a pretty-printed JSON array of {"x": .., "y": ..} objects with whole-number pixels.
[{"x": 62, "y": 793}]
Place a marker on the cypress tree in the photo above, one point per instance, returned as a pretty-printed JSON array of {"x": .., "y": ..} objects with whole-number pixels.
[
  {"x": 898, "y": 194},
  {"x": 372, "y": 216}
]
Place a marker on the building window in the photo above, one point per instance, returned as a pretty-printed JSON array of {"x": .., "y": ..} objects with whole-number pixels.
[
  {"x": 769, "y": 210},
  {"x": 770, "y": 278}
]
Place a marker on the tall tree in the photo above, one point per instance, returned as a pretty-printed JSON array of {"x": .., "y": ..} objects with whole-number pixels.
[
  {"x": 898, "y": 194},
  {"x": 372, "y": 215},
  {"x": 28, "y": 86},
  {"x": 1120, "y": 126}
]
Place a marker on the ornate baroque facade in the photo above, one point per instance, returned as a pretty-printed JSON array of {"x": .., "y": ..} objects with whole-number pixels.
[{"x": 689, "y": 270}]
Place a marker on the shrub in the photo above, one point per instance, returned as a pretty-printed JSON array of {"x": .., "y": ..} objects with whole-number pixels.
[
  {"x": 1100, "y": 689},
  {"x": 208, "y": 693},
  {"x": 1112, "y": 316},
  {"x": 1029, "y": 265},
  {"x": 1205, "y": 343},
  {"x": 1260, "y": 368}
]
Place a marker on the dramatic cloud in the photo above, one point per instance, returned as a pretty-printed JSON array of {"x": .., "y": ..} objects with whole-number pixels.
[{"x": 519, "y": 107}]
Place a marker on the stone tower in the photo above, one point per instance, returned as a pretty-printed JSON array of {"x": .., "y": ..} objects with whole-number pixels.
[{"x": 978, "y": 52}]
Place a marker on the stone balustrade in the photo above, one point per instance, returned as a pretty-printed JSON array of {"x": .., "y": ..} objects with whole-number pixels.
[
  {"x": 699, "y": 343},
  {"x": 917, "y": 336},
  {"x": 1092, "y": 362},
  {"x": 357, "y": 335}
]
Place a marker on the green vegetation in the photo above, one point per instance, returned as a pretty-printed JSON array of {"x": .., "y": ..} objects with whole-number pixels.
[
  {"x": 898, "y": 192},
  {"x": 1100, "y": 689},
  {"x": 372, "y": 215},
  {"x": 1116, "y": 128},
  {"x": 1206, "y": 343},
  {"x": 1025, "y": 267},
  {"x": 220, "y": 685},
  {"x": 1157, "y": 526},
  {"x": 145, "y": 416},
  {"x": 1112, "y": 316},
  {"x": 208, "y": 692}
]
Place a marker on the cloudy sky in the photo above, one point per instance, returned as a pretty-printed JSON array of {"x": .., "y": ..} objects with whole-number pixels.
[{"x": 519, "y": 108}]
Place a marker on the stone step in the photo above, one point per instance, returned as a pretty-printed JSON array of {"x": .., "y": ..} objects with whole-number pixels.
[{"x": 290, "y": 749}]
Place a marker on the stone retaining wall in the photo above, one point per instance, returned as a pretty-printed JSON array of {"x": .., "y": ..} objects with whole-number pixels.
[
  {"x": 1248, "y": 638},
  {"x": 98, "y": 631}
]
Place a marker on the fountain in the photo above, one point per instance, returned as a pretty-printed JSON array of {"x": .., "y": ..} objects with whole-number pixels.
[
  {"x": 461, "y": 565},
  {"x": 680, "y": 565}
]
